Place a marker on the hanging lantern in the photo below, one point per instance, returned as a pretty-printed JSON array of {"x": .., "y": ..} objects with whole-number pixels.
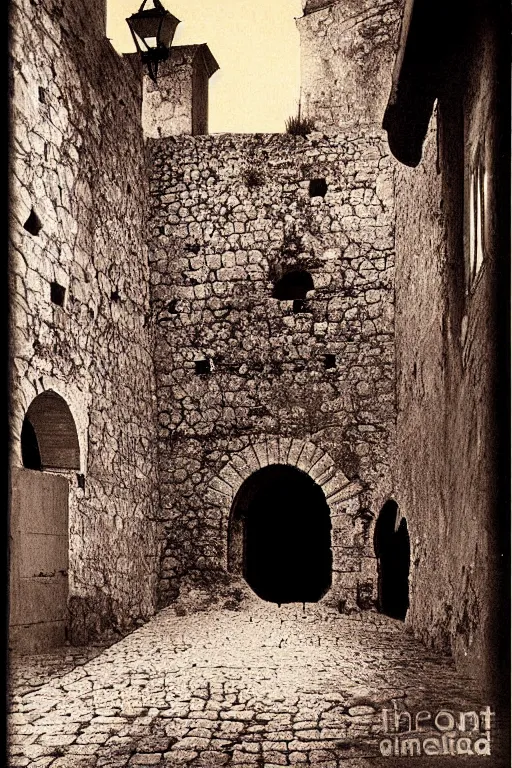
[{"x": 153, "y": 32}]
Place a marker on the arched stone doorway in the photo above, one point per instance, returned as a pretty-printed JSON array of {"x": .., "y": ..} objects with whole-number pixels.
[
  {"x": 392, "y": 549},
  {"x": 39, "y": 536},
  {"x": 280, "y": 535}
]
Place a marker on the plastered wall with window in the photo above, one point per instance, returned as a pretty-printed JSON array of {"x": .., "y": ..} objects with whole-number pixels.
[{"x": 450, "y": 263}]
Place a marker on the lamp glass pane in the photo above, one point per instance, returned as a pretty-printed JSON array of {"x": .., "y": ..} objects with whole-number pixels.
[
  {"x": 145, "y": 28},
  {"x": 168, "y": 30}
]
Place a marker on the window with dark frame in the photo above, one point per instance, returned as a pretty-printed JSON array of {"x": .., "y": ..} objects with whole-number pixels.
[{"x": 477, "y": 207}]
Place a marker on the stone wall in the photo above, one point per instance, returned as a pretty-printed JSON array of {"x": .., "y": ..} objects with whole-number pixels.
[
  {"x": 177, "y": 103},
  {"x": 79, "y": 186},
  {"x": 347, "y": 54},
  {"x": 230, "y": 216},
  {"x": 450, "y": 413}
]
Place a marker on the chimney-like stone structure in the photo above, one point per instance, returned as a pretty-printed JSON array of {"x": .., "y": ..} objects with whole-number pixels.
[{"x": 177, "y": 104}]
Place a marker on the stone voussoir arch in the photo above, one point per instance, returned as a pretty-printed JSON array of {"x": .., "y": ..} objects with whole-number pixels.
[{"x": 265, "y": 451}]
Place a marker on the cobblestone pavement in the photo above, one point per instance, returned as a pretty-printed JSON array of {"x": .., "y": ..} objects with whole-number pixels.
[{"x": 254, "y": 688}]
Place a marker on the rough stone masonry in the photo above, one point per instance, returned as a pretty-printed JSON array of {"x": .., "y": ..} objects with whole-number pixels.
[
  {"x": 78, "y": 197},
  {"x": 245, "y": 379},
  {"x": 247, "y": 376}
]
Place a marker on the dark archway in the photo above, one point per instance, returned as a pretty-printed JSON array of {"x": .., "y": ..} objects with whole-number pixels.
[
  {"x": 293, "y": 285},
  {"x": 279, "y": 535},
  {"x": 392, "y": 549},
  {"x": 49, "y": 439}
]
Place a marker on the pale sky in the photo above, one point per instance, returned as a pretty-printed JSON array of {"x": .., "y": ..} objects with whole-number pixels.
[{"x": 256, "y": 44}]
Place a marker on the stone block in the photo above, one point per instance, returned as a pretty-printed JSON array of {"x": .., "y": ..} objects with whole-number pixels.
[
  {"x": 294, "y": 452},
  {"x": 308, "y": 456},
  {"x": 337, "y": 498},
  {"x": 260, "y": 450},
  {"x": 230, "y": 476},
  {"x": 284, "y": 444},
  {"x": 241, "y": 466},
  {"x": 322, "y": 466},
  {"x": 344, "y": 563},
  {"x": 273, "y": 450},
  {"x": 223, "y": 487},
  {"x": 334, "y": 484}
]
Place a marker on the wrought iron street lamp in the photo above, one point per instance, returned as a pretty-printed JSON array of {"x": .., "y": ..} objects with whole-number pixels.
[{"x": 153, "y": 32}]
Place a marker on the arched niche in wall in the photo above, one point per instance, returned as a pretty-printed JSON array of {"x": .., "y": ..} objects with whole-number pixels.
[
  {"x": 293, "y": 285},
  {"x": 392, "y": 549},
  {"x": 39, "y": 526},
  {"x": 49, "y": 439},
  {"x": 279, "y": 535}
]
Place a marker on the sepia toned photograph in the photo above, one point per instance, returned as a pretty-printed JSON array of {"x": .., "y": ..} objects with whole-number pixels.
[{"x": 258, "y": 384}]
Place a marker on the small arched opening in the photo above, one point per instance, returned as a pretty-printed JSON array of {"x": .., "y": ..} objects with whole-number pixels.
[
  {"x": 280, "y": 536},
  {"x": 392, "y": 549},
  {"x": 39, "y": 553},
  {"x": 293, "y": 285},
  {"x": 49, "y": 440}
]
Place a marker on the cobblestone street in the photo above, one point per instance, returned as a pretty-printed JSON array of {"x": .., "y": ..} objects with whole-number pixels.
[{"x": 259, "y": 686}]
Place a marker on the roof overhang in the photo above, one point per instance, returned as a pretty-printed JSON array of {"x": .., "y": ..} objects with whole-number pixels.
[
  {"x": 425, "y": 39},
  {"x": 312, "y": 6},
  {"x": 210, "y": 63}
]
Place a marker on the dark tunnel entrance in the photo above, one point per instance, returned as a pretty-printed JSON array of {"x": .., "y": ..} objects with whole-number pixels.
[
  {"x": 392, "y": 549},
  {"x": 280, "y": 536}
]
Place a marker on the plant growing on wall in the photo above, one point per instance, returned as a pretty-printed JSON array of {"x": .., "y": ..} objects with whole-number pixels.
[
  {"x": 299, "y": 126},
  {"x": 253, "y": 178}
]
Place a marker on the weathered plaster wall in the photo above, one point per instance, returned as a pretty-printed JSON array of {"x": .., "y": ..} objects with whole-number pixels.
[
  {"x": 230, "y": 215},
  {"x": 78, "y": 161},
  {"x": 347, "y": 55},
  {"x": 448, "y": 422}
]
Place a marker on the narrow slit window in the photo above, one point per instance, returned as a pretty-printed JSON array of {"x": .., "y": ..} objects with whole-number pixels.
[
  {"x": 480, "y": 215},
  {"x": 57, "y": 294},
  {"x": 477, "y": 207}
]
